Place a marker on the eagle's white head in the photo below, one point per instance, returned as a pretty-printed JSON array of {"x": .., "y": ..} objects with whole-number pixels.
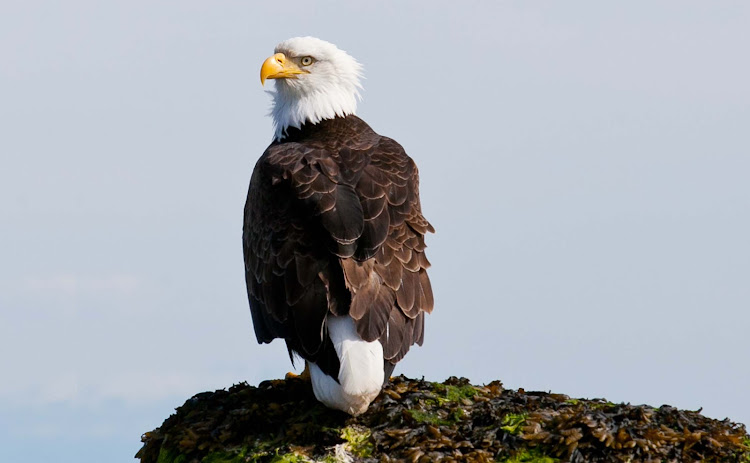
[{"x": 315, "y": 81}]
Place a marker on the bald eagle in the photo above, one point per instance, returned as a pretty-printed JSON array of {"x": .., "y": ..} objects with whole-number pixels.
[{"x": 333, "y": 234}]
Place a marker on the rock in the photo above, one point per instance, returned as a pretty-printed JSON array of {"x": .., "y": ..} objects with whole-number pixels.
[{"x": 422, "y": 421}]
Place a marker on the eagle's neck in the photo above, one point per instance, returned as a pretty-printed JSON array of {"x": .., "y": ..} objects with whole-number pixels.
[
  {"x": 334, "y": 133},
  {"x": 294, "y": 106}
]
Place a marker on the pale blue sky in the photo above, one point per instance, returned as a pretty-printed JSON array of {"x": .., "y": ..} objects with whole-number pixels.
[{"x": 585, "y": 165}]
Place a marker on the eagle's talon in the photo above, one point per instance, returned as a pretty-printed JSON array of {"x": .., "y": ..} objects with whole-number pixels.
[{"x": 304, "y": 376}]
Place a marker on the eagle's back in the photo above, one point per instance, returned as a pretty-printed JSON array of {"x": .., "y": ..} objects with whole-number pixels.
[{"x": 333, "y": 224}]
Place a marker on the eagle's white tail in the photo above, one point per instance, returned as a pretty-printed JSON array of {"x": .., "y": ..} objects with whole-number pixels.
[{"x": 361, "y": 374}]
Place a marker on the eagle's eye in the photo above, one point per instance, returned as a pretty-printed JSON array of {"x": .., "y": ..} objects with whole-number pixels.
[{"x": 307, "y": 60}]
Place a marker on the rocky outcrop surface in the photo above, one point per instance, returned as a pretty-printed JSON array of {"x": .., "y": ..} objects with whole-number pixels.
[{"x": 422, "y": 421}]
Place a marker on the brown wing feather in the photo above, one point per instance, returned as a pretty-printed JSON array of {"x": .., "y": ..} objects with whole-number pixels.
[
  {"x": 399, "y": 264},
  {"x": 293, "y": 280},
  {"x": 333, "y": 225}
]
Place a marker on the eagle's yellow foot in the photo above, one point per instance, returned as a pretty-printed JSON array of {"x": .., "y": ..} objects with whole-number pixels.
[{"x": 305, "y": 375}]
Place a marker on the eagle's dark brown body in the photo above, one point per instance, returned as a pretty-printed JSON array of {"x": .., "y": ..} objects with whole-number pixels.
[{"x": 333, "y": 225}]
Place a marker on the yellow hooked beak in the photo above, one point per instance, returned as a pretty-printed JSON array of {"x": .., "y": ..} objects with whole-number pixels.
[{"x": 278, "y": 67}]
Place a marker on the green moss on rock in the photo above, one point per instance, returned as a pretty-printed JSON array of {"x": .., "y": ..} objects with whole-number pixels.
[
  {"x": 239, "y": 456},
  {"x": 512, "y": 423},
  {"x": 449, "y": 393},
  {"x": 167, "y": 455},
  {"x": 529, "y": 456},
  {"x": 358, "y": 441},
  {"x": 423, "y": 417}
]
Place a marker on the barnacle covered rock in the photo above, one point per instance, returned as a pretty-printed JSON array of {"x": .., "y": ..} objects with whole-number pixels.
[{"x": 421, "y": 421}]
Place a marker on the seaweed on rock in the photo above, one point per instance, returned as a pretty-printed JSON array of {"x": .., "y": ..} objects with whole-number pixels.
[{"x": 418, "y": 420}]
